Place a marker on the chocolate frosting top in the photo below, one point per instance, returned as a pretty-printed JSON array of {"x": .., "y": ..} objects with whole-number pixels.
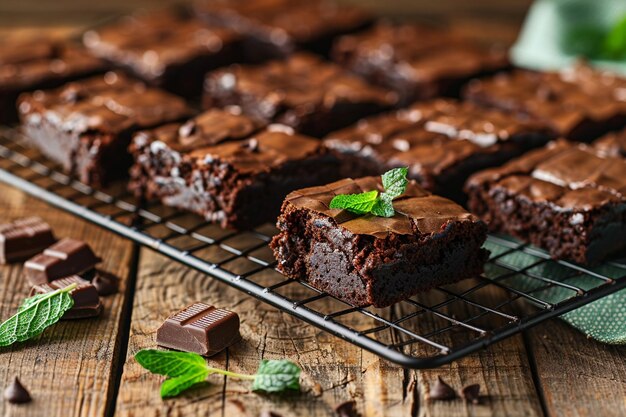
[
  {"x": 565, "y": 99},
  {"x": 150, "y": 43},
  {"x": 109, "y": 103},
  {"x": 417, "y": 210},
  {"x": 612, "y": 144},
  {"x": 28, "y": 63},
  {"x": 434, "y": 135},
  {"x": 569, "y": 176},
  {"x": 418, "y": 52}
]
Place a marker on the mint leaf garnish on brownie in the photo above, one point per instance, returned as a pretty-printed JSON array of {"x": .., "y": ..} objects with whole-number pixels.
[{"x": 379, "y": 204}]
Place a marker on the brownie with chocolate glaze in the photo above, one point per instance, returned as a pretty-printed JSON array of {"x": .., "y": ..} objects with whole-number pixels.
[
  {"x": 442, "y": 141},
  {"x": 168, "y": 49},
  {"x": 567, "y": 198},
  {"x": 86, "y": 126},
  {"x": 304, "y": 92},
  {"x": 580, "y": 103},
  {"x": 417, "y": 62},
  {"x": 28, "y": 65},
  {"x": 227, "y": 167},
  {"x": 368, "y": 260},
  {"x": 613, "y": 144},
  {"x": 276, "y": 28}
]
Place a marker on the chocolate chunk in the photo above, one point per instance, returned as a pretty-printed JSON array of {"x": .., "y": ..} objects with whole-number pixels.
[
  {"x": 86, "y": 300},
  {"x": 105, "y": 283},
  {"x": 23, "y": 238},
  {"x": 200, "y": 328},
  {"x": 441, "y": 391},
  {"x": 347, "y": 409},
  {"x": 16, "y": 393},
  {"x": 269, "y": 414},
  {"x": 471, "y": 393},
  {"x": 65, "y": 258}
]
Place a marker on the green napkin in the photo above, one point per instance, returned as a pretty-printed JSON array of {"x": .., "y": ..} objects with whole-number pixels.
[
  {"x": 557, "y": 32},
  {"x": 603, "y": 320}
]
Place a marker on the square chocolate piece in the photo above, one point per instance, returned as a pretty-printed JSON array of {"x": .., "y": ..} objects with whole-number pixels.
[
  {"x": 441, "y": 141},
  {"x": 369, "y": 260},
  {"x": 87, "y": 125},
  {"x": 275, "y": 28},
  {"x": 566, "y": 198},
  {"x": 86, "y": 300},
  {"x": 166, "y": 49},
  {"x": 612, "y": 144},
  {"x": 64, "y": 258},
  {"x": 580, "y": 103},
  {"x": 304, "y": 92},
  {"x": 23, "y": 238},
  {"x": 417, "y": 62},
  {"x": 200, "y": 328},
  {"x": 28, "y": 65},
  {"x": 225, "y": 168}
]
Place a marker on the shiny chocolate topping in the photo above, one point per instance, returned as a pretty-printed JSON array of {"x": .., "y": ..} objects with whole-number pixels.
[
  {"x": 417, "y": 211},
  {"x": 612, "y": 144}
]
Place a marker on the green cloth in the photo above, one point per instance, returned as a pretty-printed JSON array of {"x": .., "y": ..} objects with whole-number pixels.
[
  {"x": 557, "y": 32},
  {"x": 603, "y": 320}
]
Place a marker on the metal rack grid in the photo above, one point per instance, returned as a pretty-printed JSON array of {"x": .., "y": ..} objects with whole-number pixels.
[{"x": 521, "y": 286}]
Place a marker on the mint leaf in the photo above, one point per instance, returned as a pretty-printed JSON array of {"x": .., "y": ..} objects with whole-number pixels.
[
  {"x": 174, "y": 386},
  {"x": 383, "y": 208},
  {"x": 614, "y": 45},
  {"x": 169, "y": 363},
  {"x": 394, "y": 182},
  {"x": 35, "y": 315},
  {"x": 276, "y": 376},
  {"x": 356, "y": 203}
]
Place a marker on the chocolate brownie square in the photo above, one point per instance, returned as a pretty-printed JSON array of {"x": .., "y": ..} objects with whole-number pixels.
[
  {"x": 415, "y": 61},
  {"x": 442, "y": 142},
  {"x": 566, "y": 198},
  {"x": 613, "y": 144},
  {"x": 304, "y": 92},
  {"x": 368, "y": 260},
  {"x": 28, "y": 65},
  {"x": 226, "y": 168},
  {"x": 580, "y": 103},
  {"x": 86, "y": 126},
  {"x": 167, "y": 49},
  {"x": 276, "y": 28}
]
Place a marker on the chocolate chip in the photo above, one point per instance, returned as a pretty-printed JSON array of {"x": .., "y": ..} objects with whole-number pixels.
[
  {"x": 16, "y": 393},
  {"x": 441, "y": 391},
  {"x": 471, "y": 393},
  {"x": 347, "y": 409},
  {"x": 269, "y": 414},
  {"x": 105, "y": 283}
]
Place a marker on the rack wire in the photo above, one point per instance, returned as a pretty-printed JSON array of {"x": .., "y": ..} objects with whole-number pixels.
[{"x": 520, "y": 288}]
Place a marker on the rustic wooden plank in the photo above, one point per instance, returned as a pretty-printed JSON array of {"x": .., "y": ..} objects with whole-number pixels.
[
  {"x": 70, "y": 368},
  {"x": 579, "y": 377}
]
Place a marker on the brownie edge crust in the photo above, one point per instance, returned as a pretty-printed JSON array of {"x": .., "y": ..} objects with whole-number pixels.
[{"x": 368, "y": 260}]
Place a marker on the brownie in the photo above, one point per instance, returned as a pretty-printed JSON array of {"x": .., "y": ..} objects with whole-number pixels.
[
  {"x": 580, "y": 103},
  {"x": 566, "y": 198},
  {"x": 166, "y": 49},
  {"x": 227, "y": 168},
  {"x": 417, "y": 62},
  {"x": 86, "y": 126},
  {"x": 304, "y": 92},
  {"x": 613, "y": 144},
  {"x": 442, "y": 142},
  {"x": 368, "y": 260},
  {"x": 275, "y": 28},
  {"x": 28, "y": 65}
]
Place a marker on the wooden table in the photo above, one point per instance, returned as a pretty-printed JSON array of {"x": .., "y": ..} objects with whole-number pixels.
[{"x": 86, "y": 368}]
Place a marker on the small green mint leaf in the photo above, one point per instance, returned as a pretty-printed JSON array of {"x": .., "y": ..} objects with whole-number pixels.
[
  {"x": 175, "y": 386},
  {"x": 614, "y": 45},
  {"x": 395, "y": 182},
  {"x": 383, "y": 208},
  {"x": 356, "y": 203},
  {"x": 36, "y": 315},
  {"x": 277, "y": 376},
  {"x": 171, "y": 364}
]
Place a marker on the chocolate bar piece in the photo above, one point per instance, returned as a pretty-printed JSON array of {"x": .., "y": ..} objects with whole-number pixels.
[
  {"x": 64, "y": 258},
  {"x": 200, "y": 328},
  {"x": 86, "y": 300},
  {"x": 23, "y": 238}
]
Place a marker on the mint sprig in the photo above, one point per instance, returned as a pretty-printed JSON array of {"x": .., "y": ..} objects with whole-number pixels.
[
  {"x": 372, "y": 202},
  {"x": 185, "y": 370},
  {"x": 35, "y": 315}
]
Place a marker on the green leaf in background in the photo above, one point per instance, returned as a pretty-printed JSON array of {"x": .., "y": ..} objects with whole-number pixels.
[
  {"x": 169, "y": 363},
  {"x": 36, "y": 315},
  {"x": 276, "y": 376},
  {"x": 614, "y": 45},
  {"x": 356, "y": 203}
]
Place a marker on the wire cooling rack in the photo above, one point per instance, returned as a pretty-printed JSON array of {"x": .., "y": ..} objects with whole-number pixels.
[{"x": 521, "y": 285}]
